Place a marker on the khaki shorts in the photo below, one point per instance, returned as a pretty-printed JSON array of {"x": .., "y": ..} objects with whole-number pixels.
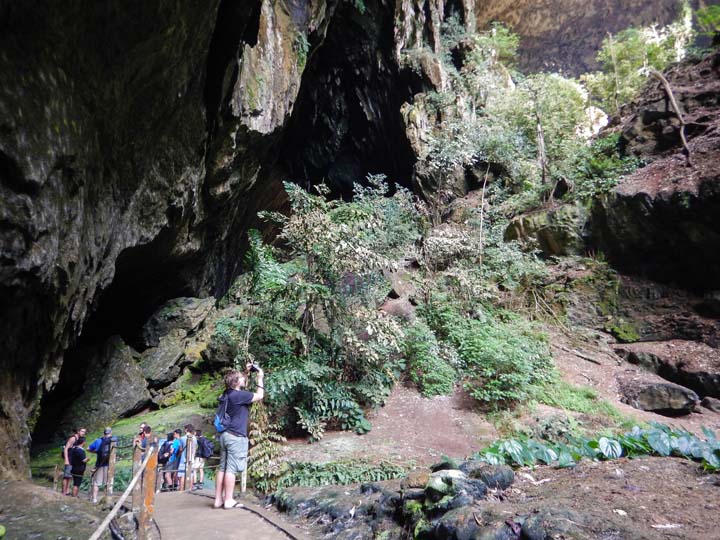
[
  {"x": 101, "y": 476},
  {"x": 233, "y": 453},
  {"x": 198, "y": 463}
]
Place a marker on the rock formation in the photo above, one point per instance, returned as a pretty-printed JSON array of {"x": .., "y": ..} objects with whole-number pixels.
[{"x": 137, "y": 144}]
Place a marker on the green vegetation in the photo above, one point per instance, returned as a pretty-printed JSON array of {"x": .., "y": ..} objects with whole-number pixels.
[
  {"x": 503, "y": 357},
  {"x": 627, "y": 58},
  {"x": 584, "y": 400},
  {"x": 708, "y": 19},
  {"x": 338, "y": 472},
  {"x": 658, "y": 440},
  {"x": 427, "y": 364},
  {"x": 313, "y": 319}
]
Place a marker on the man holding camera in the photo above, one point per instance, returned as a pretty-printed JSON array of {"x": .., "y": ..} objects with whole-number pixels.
[{"x": 234, "y": 439}]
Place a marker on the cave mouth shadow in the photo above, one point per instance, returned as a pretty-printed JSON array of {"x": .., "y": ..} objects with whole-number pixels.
[{"x": 145, "y": 278}]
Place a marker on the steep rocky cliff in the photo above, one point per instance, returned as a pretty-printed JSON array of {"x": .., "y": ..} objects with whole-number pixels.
[{"x": 138, "y": 141}]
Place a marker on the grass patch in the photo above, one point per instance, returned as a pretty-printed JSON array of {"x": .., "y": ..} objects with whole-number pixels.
[{"x": 580, "y": 399}]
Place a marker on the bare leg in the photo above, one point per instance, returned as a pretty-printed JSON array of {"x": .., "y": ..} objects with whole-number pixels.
[
  {"x": 202, "y": 475},
  {"x": 228, "y": 487},
  {"x": 94, "y": 492},
  {"x": 219, "y": 480}
]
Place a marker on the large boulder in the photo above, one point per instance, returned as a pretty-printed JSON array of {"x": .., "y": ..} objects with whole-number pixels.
[
  {"x": 163, "y": 364},
  {"x": 558, "y": 230},
  {"x": 661, "y": 220},
  {"x": 114, "y": 387},
  {"x": 688, "y": 363},
  {"x": 183, "y": 314},
  {"x": 648, "y": 392}
]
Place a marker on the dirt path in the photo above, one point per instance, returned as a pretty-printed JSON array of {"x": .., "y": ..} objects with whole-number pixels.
[
  {"x": 408, "y": 428},
  {"x": 191, "y": 515}
]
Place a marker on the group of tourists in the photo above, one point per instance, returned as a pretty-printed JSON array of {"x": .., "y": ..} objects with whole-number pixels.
[
  {"x": 75, "y": 462},
  {"x": 179, "y": 450}
]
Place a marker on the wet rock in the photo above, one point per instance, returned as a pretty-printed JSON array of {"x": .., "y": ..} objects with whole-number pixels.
[
  {"x": 494, "y": 476},
  {"x": 649, "y": 392},
  {"x": 557, "y": 231},
  {"x": 114, "y": 387},
  {"x": 687, "y": 363},
  {"x": 548, "y": 524},
  {"x": 457, "y": 524},
  {"x": 497, "y": 531},
  {"x": 183, "y": 314}
]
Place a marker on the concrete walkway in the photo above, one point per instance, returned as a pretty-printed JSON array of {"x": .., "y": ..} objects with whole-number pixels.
[{"x": 191, "y": 516}]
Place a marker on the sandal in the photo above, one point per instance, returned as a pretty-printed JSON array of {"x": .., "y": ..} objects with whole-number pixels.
[{"x": 233, "y": 504}]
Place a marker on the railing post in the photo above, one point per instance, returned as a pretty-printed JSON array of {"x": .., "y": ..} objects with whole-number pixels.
[
  {"x": 111, "y": 470},
  {"x": 55, "y": 478},
  {"x": 189, "y": 454},
  {"x": 137, "y": 490},
  {"x": 243, "y": 479},
  {"x": 147, "y": 507}
]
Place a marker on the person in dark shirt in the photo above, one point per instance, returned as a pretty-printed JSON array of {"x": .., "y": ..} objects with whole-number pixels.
[
  {"x": 234, "y": 441},
  {"x": 78, "y": 462}
]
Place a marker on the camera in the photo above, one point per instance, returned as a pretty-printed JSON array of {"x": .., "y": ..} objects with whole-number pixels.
[{"x": 254, "y": 367}]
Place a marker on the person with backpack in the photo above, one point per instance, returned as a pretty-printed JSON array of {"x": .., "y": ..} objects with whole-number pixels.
[
  {"x": 205, "y": 449},
  {"x": 102, "y": 448},
  {"x": 165, "y": 458},
  {"x": 67, "y": 466},
  {"x": 78, "y": 462},
  {"x": 231, "y": 422}
]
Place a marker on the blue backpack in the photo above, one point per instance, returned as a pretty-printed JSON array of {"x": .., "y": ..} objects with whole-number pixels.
[{"x": 222, "y": 418}]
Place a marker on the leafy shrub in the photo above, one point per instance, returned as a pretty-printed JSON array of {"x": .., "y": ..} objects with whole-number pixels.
[
  {"x": 427, "y": 368},
  {"x": 708, "y": 19},
  {"x": 599, "y": 167},
  {"x": 338, "y": 473},
  {"x": 502, "y": 359},
  {"x": 625, "y": 59},
  {"x": 658, "y": 440},
  {"x": 312, "y": 320}
]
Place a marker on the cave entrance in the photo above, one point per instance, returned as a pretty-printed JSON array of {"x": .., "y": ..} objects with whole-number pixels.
[{"x": 145, "y": 277}]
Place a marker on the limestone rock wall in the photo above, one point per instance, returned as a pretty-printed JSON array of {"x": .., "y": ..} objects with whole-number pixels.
[{"x": 139, "y": 140}]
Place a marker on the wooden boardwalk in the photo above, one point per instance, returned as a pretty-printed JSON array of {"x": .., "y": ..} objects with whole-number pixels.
[{"x": 191, "y": 516}]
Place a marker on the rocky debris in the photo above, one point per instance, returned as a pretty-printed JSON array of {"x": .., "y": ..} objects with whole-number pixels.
[
  {"x": 661, "y": 220},
  {"x": 114, "y": 387},
  {"x": 559, "y": 230},
  {"x": 438, "y": 505},
  {"x": 649, "y": 392},
  {"x": 181, "y": 314},
  {"x": 687, "y": 363}
]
